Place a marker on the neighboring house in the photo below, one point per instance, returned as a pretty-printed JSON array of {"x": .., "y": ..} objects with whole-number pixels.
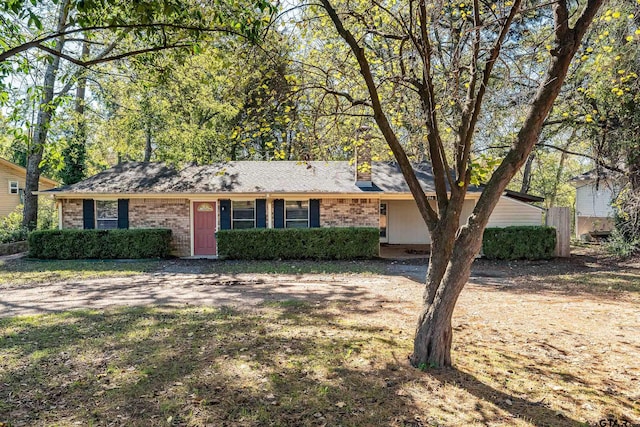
[
  {"x": 594, "y": 195},
  {"x": 197, "y": 201},
  {"x": 12, "y": 179}
]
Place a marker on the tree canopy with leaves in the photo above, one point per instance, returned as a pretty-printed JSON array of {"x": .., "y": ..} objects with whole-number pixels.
[
  {"x": 449, "y": 58},
  {"x": 121, "y": 28}
]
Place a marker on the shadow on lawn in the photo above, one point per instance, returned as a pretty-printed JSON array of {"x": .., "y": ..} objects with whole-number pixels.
[
  {"x": 161, "y": 289},
  {"x": 293, "y": 364},
  {"x": 570, "y": 277}
]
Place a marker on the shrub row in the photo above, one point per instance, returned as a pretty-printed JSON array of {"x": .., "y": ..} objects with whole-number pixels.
[
  {"x": 10, "y": 236},
  {"x": 519, "y": 242},
  {"x": 299, "y": 243},
  {"x": 100, "y": 244}
]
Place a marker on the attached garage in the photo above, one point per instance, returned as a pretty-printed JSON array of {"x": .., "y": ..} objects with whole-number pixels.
[{"x": 405, "y": 225}]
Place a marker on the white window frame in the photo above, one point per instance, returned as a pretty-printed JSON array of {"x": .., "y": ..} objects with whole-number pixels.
[
  {"x": 286, "y": 220},
  {"x": 95, "y": 215},
  {"x": 233, "y": 220},
  {"x": 14, "y": 189}
]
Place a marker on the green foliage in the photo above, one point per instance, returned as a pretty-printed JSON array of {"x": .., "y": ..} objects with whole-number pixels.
[
  {"x": 11, "y": 229},
  {"x": 100, "y": 244},
  {"x": 622, "y": 246},
  {"x": 482, "y": 168},
  {"x": 227, "y": 102},
  {"x": 299, "y": 243},
  {"x": 74, "y": 156},
  {"x": 47, "y": 214},
  {"x": 624, "y": 240},
  {"x": 519, "y": 242}
]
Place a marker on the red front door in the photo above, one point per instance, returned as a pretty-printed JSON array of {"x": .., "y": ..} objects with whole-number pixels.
[{"x": 204, "y": 228}]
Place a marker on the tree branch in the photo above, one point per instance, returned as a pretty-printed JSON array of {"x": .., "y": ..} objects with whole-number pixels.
[
  {"x": 529, "y": 133},
  {"x": 495, "y": 52},
  {"x": 441, "y": 170},
  {"x": 37, "y": 43},
  {"x": 429, "y": 215},
  {"x": 595, "y": 159}
]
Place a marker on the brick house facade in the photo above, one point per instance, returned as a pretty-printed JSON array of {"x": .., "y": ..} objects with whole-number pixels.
[
  {"x": 175, "y": 214},
  {"x": 349, "y": 212},
  {"x": 198, "y": 200}
]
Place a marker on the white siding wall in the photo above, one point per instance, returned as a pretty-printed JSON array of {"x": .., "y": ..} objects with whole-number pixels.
[
  {"x": 594, "y": 203},
  {"x": 406, "y": 226},
  {"x": 512, "y": 212}
]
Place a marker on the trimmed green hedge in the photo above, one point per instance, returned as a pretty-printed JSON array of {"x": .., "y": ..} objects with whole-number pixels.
[
  {"x": 299, "y": 243},
  {"x": 519, "y": 242},
  {"x": 100, "y": 244}
]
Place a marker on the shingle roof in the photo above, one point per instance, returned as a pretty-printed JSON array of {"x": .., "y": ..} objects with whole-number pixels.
[
  {"x": 23, "y": 171},
  {"x": 591, "y": 175},
  {"x": 247, "y": 177}
]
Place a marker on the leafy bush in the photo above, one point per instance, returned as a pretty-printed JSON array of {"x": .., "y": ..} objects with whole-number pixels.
[
  {"x": 11, "y": 229},
  {"x": 620, "y": 245},
  {"x": 100, "y": 244},
  {"x": 519, "y": 242},
  {"x": 299, "y": 243},
  {"x": 624, "y": 240},
  {"x": 47, "y": 214}
]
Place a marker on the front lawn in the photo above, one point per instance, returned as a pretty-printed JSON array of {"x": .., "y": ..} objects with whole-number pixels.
[
  {"x": 293, "y": 363},
  {"x": 535, "y": 344},
  {"x": 21, "y": 271}
]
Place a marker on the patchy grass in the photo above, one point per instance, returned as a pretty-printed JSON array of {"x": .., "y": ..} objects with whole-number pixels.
[
  {"x": 21, "y": 271},
  {"x": 539, "y": 344},
  {"x": 296, "y": 267},
  {"x": 286, "y": 364},
  {"x": 601, "y": 281}
]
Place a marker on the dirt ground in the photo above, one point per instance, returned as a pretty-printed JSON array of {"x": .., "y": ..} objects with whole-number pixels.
[{"x": 570, "y": 323}]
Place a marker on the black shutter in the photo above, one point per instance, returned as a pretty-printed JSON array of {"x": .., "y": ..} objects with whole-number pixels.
[
  {"x": 88, "y": 214},
  {"x": 261, "y": 213},
  {"x": 278, "y": 213},
  {"x": 225, "y": 214},
  {"x": 314, "y": 213},
  {"x": 123, "y": 213}
]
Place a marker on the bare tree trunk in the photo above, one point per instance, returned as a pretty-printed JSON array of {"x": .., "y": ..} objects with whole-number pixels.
[
  {"x": 560, "y": 170},
  {"x": 432, "y": 342},
  {"x": 147, "y": 145},
  {"x": 526, "y": 174},
  {"x": 633, "y": 162},
  {"x": 74, "y": 155},
  {"x": 36, "y": 149}
]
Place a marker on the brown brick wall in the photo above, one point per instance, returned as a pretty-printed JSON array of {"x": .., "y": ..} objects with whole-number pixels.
[
  {"x": 145, "y": 213},
  {"x": 164, "y": 213},
  {"x": 72, "y": 214},
  {"x": 349, "y": 213}
]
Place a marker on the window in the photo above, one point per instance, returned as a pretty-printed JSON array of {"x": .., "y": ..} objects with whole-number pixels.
[
  {"x": 243, "y": 214},
  {"x": 106, "y": 214},
  {"x": 297, "y": 214},
  {"x": 383, "y": 220},
  {"x": 13, "y": 187}
]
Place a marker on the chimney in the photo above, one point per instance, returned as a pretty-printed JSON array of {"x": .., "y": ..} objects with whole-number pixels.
[{"x": 363, "y": 158}]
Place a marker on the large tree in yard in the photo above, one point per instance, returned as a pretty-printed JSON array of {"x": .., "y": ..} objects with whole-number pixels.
[{"x": 450, "y": 57}]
